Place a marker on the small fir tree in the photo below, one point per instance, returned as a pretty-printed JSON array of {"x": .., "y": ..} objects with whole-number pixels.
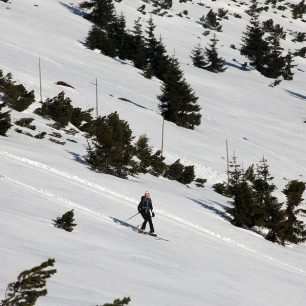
[
  {"x": 102, "y": 12},
  {"x": 59, "y": 109},
  {"x": 30, "y": 285},
  {"x": 244, "y": 208},
  {"x": 187, "y": 176},
  {"x": 5, "y": 120},
  {"x": 211, "y": 21},
  {"x": 254, "y": 47},
  {"x": 288, "y": 65},
  {"x": 198, "y": 57},
  {"x": 112, "y": 150},
  {"x": 178, "y": 103},
  {"x": 274, "y": 61},
  {"x": 214, "y": 62},
  {"x": 138, "y": 50},
  {"x": 174, "y": 171},
  {"x": 144, "y": 153},
  {"x": 299, "y": 9},
  {"x": 66, "y": 221},
  {"x": 294, "y": 229},
  {"x": 158, "y": 166}
]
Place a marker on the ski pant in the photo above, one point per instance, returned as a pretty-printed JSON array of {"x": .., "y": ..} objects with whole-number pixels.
[{"x": 147, "y": 218}]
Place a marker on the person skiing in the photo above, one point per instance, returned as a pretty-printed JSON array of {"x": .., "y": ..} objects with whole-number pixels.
[{"x": 145, "y": 208}]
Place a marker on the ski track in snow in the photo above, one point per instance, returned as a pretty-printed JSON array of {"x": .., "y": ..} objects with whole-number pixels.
[{"x": 115, "y": 195}]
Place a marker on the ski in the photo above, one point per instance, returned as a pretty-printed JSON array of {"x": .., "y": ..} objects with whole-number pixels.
[{"x": 152, "y": 235}]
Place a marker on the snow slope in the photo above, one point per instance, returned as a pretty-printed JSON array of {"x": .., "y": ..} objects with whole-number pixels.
[{"x": 206, "y": 261}]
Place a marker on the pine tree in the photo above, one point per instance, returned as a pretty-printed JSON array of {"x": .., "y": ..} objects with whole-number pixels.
[
  {"x": 198, "y": 56},
  {"x": 66, "y": 221},
  {"x": 187, "y": 176},
  {"x": 253, "y": 10},
  {"x": 5, "y": 121},
  {"x": 274, "y": 61},
  {"x": 174, "y": 171},
  {"x": 244, "y": 208},
  {"x": 211, "y": 21},
  {"x": 102, "y": 12},
  {"x": 30, "y": 285},
  {"x": 178, "y": 103},
  {"x": 112, "y": 150},
  {"x": 144, "y": 153},
  {"x": 287, "y": 72},
  {"x": 271, "y": 216},
  {"x": 298, "y": 10},
  {"x": 158, "y": 166},
  {"x": 254, "y": 47},
  {"x": 157, "y": 60},
  {"x": 138, "y": 51},
  {"x": 119, "y": 37},
  {"x": 214, "y": 62},
  {"x": 59, "y": 109},
  {"x": 98, "y": 39},
  {"x": 294, "y": 230}
]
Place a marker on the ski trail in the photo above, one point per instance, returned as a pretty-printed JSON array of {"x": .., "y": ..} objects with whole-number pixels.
[
  {"x": 132, "y": 203},
  {"x": 66, "y": 202}
]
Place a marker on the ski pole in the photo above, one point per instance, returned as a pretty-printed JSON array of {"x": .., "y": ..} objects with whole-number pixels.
[{"x": 132, "y": 216}]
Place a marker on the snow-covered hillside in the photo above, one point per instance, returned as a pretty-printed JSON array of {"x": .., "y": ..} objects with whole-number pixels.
[{"x": 206, "y": 261}]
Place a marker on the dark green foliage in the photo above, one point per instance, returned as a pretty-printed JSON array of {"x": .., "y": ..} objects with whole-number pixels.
[
  {"x": 175, "y": 171},
  {"x": 274, "y": 61},
  {"x": 254, "y": 9},
  {"x": 82, "y": 119},
  {"x": 187, "y": 176},
  {"x": 198, "y": 57},
  {"x": 137, "y": 47},
  {"x": 298, "y": 10},
  {"x": 244, "y": 208},
  {"x": 200, "y": 182},
  {"x": 250, "y": 174},
  {"x": 98, "y": 39},
  {"x": 102, "y": 12},
  {"x": 156, "y": 55},
  {"x": 15, "y": 95},
  {"x": 30, "y": 285},
  {"x": 178, "y": 103},
  {"x": 288, "y": 65},
  {"x": 26, "y": 122},
  {"x": 58, "y": 109},
  {"x": 158, "y": 167},
  {"x": 294, "y": 230},
  {"x": 112, "y": 150},
  {"x": 221, "y": 188},
  {"x": 118, "y": 302},
  {"x": 254, "y": 47},
  {"x": 66, "y": 221},
  {"x": 214, "y": 62},
  {"x": 5, "y": 121},
  {"x": 40, "y": 135},
  {"x": 144, "y": 153},
  {"x": 211, "y": 21}
]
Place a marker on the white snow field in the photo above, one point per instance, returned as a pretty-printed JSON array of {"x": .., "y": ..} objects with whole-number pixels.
[{"x": 207, "y": 261}]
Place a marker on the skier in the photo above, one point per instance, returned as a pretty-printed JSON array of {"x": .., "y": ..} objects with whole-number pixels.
[{"x": 145, "y": 207}]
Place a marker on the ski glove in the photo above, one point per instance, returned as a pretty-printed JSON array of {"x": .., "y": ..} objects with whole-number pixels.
[{"x": 153, "y": 215}]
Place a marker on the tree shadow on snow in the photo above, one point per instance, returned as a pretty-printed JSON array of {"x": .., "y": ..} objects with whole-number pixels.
[
  {"x": 217, "y": 211},
  {"x": 297, "y": 95},
  {"x": 79, "y": 158},
  {"x": 73, "y": 9},
  {"x": 237, "y": 66}
]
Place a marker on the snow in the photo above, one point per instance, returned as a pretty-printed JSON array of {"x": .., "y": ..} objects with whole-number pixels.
[{"x": 206, "y": 261}]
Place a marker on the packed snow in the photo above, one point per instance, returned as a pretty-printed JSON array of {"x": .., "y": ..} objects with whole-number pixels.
[{"x": 205, "y": 261}]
